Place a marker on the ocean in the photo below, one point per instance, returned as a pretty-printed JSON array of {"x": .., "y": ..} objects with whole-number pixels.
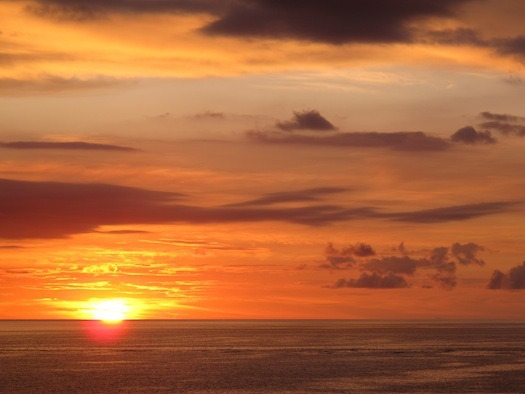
[{"x": 267, "y": 356}]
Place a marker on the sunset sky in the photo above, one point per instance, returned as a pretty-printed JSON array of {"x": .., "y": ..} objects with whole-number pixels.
[{"x": 262, "y": 158}]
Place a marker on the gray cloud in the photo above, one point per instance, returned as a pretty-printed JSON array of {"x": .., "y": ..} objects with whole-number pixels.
[
  {"x": 344, "y": 258},
  {"x": 331, "y": 21},
  {"x": 466, "y": 254},
  {"x": 313, "y": 194},
  {"x": 469, "y": 135},
  {"x": 454, "y": 213},
  {"x": 512, "y": 280},
  {"x": 74, "y": 145},
  {"x": 406, "y": 141},
  {"x": 306, "y": 120},
  {"x": 505, "y": 128},
  {"x": 55, "y": 210},
  {"x": 393, "y": 264},
  {"x": 500, "y": 117},
  {"x": 80, "y": 10},
  {"x": 443, "y": 261},
  {"x": 372, "y": 281}
]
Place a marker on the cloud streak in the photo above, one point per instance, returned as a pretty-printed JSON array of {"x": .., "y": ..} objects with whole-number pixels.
[
  {"x": 74, "y": 145},
  {"x": 55, "y": 210}
]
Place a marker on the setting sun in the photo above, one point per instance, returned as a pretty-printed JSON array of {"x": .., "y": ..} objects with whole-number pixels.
[{"x": 110, "y": 311}]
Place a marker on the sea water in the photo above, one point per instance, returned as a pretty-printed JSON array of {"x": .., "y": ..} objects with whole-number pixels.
[{"x": 261, "y": 356}]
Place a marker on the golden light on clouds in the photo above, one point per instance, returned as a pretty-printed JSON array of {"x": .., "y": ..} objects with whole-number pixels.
[{"x": 164, "y": 160}]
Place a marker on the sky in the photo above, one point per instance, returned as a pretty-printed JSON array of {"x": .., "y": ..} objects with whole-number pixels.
[{"x": 254, "y": 159}]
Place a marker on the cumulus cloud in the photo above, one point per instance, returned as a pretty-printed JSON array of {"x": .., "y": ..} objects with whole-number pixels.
[
  {"x": 344, "y": 258},
  {"x": 442, "y": 262},
  {"x": 467, "y": 253},
  {"x": 512, "y": 280},
  {"x": 306, "y": 120},
  {"x": 73, "y": 145},
  {"x": 469, "y": 135}
]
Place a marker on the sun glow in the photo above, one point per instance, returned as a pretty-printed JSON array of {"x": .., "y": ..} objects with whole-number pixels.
[{"x": 110, "y": 311}]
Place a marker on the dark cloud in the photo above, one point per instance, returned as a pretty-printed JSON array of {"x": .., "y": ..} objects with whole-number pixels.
[
  {"x": 307, "y": 120},
  {"x": 313, "y": 194},
  {"x": 54, "y": 210},
  {"x": 11, "y": 247},
  {"x": 469, "y": 135},
  {"x": 209, "y": 115},
  {"x": 443, "y": 261},
  {"x": 505, "y": 128},
  {"x": 461, "y": 36},
  {"x": 120, "y": 232},
  {"x": 344, "y": 258},
  {"x": 330, "y": 21},
  {"x": 467, "y": 253},
  {"x": 500, "y": 117},
  {"x": 406, "y": 141},
  {"x": 79, "y": 10},
  {"x": 373, "y": 281},
  {"x": 454, "y": 213},
  {"x": 511, "y": 46},
  {"x": 393, "y": 264},
  {"x": 75, "y": 145},
  {"x": 512, "y": 280}
]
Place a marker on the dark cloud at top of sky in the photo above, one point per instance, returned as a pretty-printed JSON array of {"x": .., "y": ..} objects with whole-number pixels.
[
  {"x": 313, "y": 194},
  {"x": 511, "y": 46},
  {"x": 331, "y": 21},
  {"x": 512, "y": 280},
  {"x": 407, "y": 141},
  {"x": 469, "y": 135},
  {"x": 74, "y": 145},
  {"x": 79, "y": 10},
  {"x": 307, "y": 120}
]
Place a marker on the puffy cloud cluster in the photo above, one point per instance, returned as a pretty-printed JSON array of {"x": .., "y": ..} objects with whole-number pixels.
[
  {"x": 394, "y": 271},
  {"x": 512, "y": 280},
  {"x": 292, "y": 132}
]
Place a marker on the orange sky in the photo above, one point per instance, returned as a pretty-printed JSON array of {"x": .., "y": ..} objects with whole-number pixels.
[{"x": 254, "y": 159}]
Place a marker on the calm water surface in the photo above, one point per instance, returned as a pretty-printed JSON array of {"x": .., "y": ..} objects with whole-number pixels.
[{"x": 261, "y": 356}]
